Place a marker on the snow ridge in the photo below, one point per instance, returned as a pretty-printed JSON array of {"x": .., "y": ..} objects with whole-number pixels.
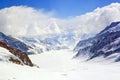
[{"x": 105, "y": 44}]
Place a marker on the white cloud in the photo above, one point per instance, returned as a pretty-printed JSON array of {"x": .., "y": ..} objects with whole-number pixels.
[
  {"x": 93, "y": 22},
  {"x": 21, "y": 20},
  {"x": 27, "y": 21}
]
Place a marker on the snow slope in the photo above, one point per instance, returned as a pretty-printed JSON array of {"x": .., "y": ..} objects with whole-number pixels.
[
  {"x": 56, "y": 42},
  {"x": 15, "y": 43},
  {"x": 59, "y": 65},
  {"x": 105, "y": 44},
  {"x": 5, "y": 55}
]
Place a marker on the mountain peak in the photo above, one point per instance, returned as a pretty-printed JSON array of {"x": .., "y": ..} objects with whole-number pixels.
[
  {"x": 53, "y": 26},
  {"x": 114, "y": 26}
]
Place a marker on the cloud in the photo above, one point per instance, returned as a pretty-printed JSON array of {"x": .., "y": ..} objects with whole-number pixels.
[
  {"x": 22, "y": 20},
  {"x": 92, "y": 22},
  {"x": 27, "y": 21}
]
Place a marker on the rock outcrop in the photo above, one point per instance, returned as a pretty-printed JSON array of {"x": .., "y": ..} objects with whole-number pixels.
[{"x": 22, "y": 56}]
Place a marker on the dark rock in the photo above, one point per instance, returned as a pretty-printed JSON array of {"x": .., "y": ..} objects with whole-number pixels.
[{"x": 21, "y": 55}]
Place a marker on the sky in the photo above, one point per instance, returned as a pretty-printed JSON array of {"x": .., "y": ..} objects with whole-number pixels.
[{"x": 61, "y": 8}]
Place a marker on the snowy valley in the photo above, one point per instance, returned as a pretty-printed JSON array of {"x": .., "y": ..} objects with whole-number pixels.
[
  {"x": 61, "y": 63},
  {"x": 37, "y": 45}
]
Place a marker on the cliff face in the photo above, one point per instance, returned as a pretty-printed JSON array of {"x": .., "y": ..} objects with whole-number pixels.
[{"x": 22, "y": 56}]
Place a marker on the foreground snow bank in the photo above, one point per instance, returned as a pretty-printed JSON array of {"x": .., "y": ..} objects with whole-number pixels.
[{"x": 59, "y": 65}]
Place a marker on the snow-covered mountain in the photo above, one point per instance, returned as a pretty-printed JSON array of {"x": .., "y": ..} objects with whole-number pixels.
[
  {"x": 6, "y": 56},
  {"x": 106, "y": 44},
  {"x": 37, "y": 44},
  {"x": 15, "y": 43},
  {"x": 13, "y": 55},
  {"x": 57, "y": 42}
]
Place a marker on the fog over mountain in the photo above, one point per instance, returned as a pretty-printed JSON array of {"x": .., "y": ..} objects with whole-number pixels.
[{"x": 27, "y": 21}]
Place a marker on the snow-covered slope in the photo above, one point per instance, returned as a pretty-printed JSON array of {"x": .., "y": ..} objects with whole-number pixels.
[
  {"x": 6, "y": 56},
  {"x": 15, "y": 43},
  {"x": 39, "y": 44},
  {"x": 22, "y": 57},
  {"x": 57, "y": 42},
  {"x": 105, "y": 44},
  {"x": 59, "y": 65}
]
